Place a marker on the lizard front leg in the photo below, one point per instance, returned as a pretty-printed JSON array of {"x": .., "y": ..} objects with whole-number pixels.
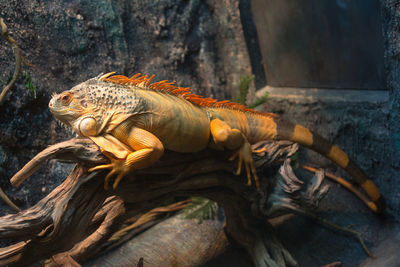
[
  {"x": 147, "y": 150},
  {"x": 234, "y": 139}
]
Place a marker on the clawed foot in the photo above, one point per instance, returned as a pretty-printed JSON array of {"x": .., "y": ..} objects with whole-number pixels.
[
  {"x": 117, "y": 167},
  {"x": 245, "y": 156}
]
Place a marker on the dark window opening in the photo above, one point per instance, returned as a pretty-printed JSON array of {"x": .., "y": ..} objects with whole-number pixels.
[{"x": 321, "y": 43}]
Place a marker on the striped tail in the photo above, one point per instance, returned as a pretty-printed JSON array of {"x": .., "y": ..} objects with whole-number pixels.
[{"x": 299, "y": 134}]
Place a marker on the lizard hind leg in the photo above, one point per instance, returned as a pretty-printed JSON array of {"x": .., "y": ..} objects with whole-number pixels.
[
  {"x": 244, "y": 155},
  {"x": 234, "y": 139}
]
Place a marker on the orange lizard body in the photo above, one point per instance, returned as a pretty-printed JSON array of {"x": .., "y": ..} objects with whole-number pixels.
[{"x": 133, "y": 121}]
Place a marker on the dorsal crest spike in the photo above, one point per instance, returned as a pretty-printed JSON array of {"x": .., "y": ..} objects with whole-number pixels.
[
  {"x": 143, "y": 81},
  {"x": 104, "y": 76}
]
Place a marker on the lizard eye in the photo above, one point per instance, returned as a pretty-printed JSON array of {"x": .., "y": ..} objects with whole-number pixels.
[{"x": 66, "y": 98}]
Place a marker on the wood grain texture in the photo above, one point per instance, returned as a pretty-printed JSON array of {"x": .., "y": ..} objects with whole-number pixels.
[{"x": 77, "y": 217}]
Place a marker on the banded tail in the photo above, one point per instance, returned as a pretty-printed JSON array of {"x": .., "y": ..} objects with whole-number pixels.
[{"x": 288, "y": 131}]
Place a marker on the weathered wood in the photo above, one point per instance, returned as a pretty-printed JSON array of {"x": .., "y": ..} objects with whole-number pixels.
[
  {"x": 52, "y": 224},
  {"x": 74, "y": 150},
  {"x": 79, "y": 215},
  {"x": 169, "y": 244}
]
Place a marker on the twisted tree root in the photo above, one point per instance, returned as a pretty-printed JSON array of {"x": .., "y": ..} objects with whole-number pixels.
[{"x": 79, "y": 215}]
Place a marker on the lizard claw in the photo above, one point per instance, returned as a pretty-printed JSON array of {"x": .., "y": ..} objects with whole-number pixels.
[
  {"x": 117, "y": 167},
  {"x": 244, "y": 155},
  {"x": 261, "y": 150}
]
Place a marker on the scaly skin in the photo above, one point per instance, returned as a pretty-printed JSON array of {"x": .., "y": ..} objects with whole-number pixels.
[{"x": 133, "y": 121}]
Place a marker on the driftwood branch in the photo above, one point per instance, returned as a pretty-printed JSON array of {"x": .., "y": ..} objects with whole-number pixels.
[
  {"x": 79, "y": 215},
  {"x": 18, "y": 59}
]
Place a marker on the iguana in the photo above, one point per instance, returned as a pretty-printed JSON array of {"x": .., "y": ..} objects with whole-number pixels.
[{"x": 133, "y": 121}]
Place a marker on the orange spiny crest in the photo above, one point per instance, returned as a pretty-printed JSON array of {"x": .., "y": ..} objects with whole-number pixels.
[
  {"x": 140, "y": 81},
  {"x": 118, "y": 79},
  {"x": 154, "y": 85},
  {"x": 232, "y": 105},
  {"x": 148, "y": 80},
  {"x": 209, "y": 102},
  {"x": 143, "y": 81},
  {"x": 180, "y": 90},
  {"x": 221, "y": 103},
  {"x": 134, "y": 76}
]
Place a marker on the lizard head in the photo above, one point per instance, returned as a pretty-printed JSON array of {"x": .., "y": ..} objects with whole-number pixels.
[
  {"x": 73, "y": 110},
  {"x": 95, "y": 106}
]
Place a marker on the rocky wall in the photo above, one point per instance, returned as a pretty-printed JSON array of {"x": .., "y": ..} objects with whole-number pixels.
[
  {"x": 199, "y": 44},
  {"x": 365, "y": 123},
  {"x": 391, "y": 35},
  {"x": 357, "y": 121}
]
